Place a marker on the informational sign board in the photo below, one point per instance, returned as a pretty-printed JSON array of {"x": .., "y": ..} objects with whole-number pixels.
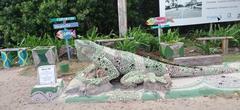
[
  {"x": 65, "y": 25},
  {"x": 47, "y": 74},
  {"x": 189, "y": 12}
]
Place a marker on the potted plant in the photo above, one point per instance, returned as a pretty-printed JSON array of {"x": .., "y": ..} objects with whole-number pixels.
[{"x": 170, "y": 45}]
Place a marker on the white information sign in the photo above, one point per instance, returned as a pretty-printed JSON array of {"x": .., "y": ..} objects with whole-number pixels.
[
  {"x": 188, "y": 12},
  {"x": 46, "y": 74}
]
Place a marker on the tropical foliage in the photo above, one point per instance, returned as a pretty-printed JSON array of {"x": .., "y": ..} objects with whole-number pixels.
[
  {"x": 140, "y": 38},
  {"x": 172, "y": 36},
  {"x": 20, "y": 18},
  {"x": 207, "y": 49}
]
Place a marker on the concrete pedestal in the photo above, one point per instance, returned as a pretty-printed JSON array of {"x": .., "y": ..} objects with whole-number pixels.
[{"x": 47, "y": 93}]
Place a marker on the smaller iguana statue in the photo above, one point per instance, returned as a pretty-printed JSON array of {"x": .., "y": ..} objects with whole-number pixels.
[{"x": 110, "y": 64}]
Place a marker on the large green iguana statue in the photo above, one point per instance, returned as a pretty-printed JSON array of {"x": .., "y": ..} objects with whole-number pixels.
[{"x": 111, "y": 63}]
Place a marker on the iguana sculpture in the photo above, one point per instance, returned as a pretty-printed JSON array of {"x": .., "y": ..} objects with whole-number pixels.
[{"x": 111, "y": 63}]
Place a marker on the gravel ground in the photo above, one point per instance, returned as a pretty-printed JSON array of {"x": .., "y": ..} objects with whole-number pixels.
[{"x": 15, "y": 88}]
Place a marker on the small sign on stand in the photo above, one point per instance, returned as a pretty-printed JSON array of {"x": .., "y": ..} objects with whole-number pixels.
[
  {"x": 48, "y": 87},
  {"x": 47, "y": 74}
]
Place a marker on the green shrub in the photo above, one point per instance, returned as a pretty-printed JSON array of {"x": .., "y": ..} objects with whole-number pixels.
[
  {"x": 230, "y": 30},
  {"x": 93, "y": 35},
  {"x": 46, "y": 40},
  {"x": 141, "y": 39},
  {"x": 207, "y": 49},
  {"x": 171, "y": 36},
  {"x": 127, "y": 45},
  {"x": 198, "y": 33}
]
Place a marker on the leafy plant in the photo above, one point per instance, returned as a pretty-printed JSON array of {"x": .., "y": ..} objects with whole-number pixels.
[
  {"x": 93, "y": 35},
  {"x": 171, "y": 36},
  {"x": 46, "y": 40},
  {"x": 218, "y": 30},
  {"x": 141, "y": 37},
  {"x": 198, "y": 33},
  {"x": 230, "y": 30},
  {"x": 127, "y": 45},
  {"x": 207, "y": 48}
]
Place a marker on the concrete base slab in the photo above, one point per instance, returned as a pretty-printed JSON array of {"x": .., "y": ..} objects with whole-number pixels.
[
  {"x": 47, "y": 93},
  {"x": 114, "y": 96},
  {"x": 181, "y": 88},
  {"x": 204, "y": 86}
]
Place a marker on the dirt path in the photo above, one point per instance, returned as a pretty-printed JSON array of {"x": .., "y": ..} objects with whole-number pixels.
[{"x": 15, "y": 91}]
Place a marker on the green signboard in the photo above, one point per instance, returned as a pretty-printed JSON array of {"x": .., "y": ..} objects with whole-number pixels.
[{"x": 63, "y": 19}]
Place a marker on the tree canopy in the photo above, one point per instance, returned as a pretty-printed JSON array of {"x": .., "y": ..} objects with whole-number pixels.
[{"x": 19, "y": 18}]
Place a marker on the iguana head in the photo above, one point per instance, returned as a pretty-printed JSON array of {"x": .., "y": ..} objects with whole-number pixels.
[{"x": 86, "y": 48}]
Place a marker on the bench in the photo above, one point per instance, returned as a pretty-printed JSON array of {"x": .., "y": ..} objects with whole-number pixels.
[
  {"x": 110, "y": 41},
  {"x": 199, "y": 60},
  {"x": 7, "y": 59},
  {"x": 225, "y": 41}
]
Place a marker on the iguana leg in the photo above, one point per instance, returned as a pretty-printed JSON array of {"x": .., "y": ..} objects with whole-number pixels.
[
  {"x": 132, "y": 78},
  {"x": 136, "y": 77},
  {"x": 165, "y": 79},
  {"x": 110, "y": 71}
]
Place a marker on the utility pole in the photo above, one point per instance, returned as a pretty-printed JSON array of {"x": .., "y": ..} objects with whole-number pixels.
[{"x": 122, "y": 17}]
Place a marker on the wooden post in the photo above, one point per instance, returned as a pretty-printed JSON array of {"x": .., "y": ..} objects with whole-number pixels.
[
  {"x": 225, "y": 46},
  {"x": 204, "y": 42},
  {"x": 210, "y": 29},
  {"x": 122, "y": 17}
]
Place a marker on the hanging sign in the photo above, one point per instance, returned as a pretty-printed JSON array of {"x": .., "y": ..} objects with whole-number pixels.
[
  {"x": 65, "y": 25},
  {"x": 66, "y": 34},
  {"x": 63, "y": 19},
  {"x": 160, "y": 26},
  {"x": 158, "y": 20}
]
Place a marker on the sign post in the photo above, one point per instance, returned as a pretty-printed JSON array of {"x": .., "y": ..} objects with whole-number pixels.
[
  {"x": 159, "y": 23},
  {"x": 67, "y": 45},
  {"x": 65, "y": 33},
  {"x": 159, "y": 29}
]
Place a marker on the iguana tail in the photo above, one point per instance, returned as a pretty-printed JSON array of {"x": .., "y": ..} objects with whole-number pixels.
[{"x": 180, "y": 71}]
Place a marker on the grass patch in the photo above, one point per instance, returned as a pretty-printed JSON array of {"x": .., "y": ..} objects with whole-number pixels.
[{"x": 231, "y": 58}]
